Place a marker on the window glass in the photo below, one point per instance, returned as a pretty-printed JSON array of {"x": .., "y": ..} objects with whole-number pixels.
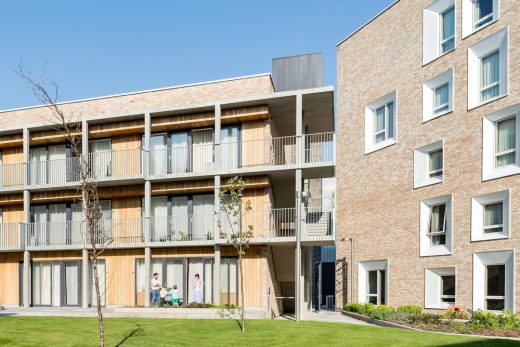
[
  {"x": 448, "y": 30},
  {"x": 489, "y": 76},
  {"x": 435, "y": 163},
  {"x": 382, "y": 286},
  {"x": 495, "y": 287},
  {"x": 437, "y": 225},
  {"x": 493, "y": 217},
  {"x": 505, "y": 146},
  {"x": 441, "y": 98},
  {"x": 483, "y": 12}
]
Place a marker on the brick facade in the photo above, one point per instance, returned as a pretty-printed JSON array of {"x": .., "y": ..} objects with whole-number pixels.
[{"x": 376, "y": 203}]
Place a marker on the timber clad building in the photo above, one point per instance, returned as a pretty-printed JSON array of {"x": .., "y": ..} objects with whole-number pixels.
[
  {"x": 160, "y": 158},
  {"x": 428, "y": 146}
]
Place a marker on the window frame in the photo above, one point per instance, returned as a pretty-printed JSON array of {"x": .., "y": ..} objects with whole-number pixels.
[
  {"x": 380, "y": 300},
  {"x": 482, "y": 88},
  {"x": 442, "y": 108},
  {"x": 469, "y": 26},
  {"x": 486, "y": 289},
  {"x": 475, "y": 23},
  {"x": 512, "y": 150},
  {"x": 430, "y": 88},
  {"x": 390, "y": 123},
  {"x": 448, "y": 296},
  {"x": 493, "y": 226},
  {"x": 478, "y": 204},
  {"x": 441, "y": 232},
  {"x": 427, "y": 249},
  {"x": 433, "y": 30},
  {"x": 441, "y": 31},
  {"x": 434, "y": 173}
]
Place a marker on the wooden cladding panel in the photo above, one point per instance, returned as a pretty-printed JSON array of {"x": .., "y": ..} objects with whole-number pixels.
[
  {"x": 11, "y": 199},
  {"x": 204, "y": 186},
  {"x": 255, "y": 145},
  {"x": 13, "y": 168},
  {"x": 101, "y": 131},
  {"x": 257, "y": 217},
  {"x": 126, "y": 155},
  {"x": 73, "y": 195},
  {"x": 50, "y": 137},
  {"x": 120, "y": 276},
  {"x": 12, "y": 214},
  {"x": 56, "y": 256},
  {"x": 125, "y": 214},
  {"x": 245, "y": 114},
  {"x": 9, "y": 285},
  {"x": 188, "y": 252},
  {"x": 9, "y": 141},
  {"x": 182, "y": 122}
]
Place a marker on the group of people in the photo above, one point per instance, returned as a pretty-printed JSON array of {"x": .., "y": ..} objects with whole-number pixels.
[{"x": 157, "y": 287}]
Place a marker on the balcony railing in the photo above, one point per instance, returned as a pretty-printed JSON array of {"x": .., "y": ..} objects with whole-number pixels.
[
  {"x": 110, "y": 165},
  {"x": 11, "y": 237},
  {"x": 269, "y": 152},
  {"x": 53, "y": 173},
  {"x": 180, "y": 228},
  {"x": 54, "y": 234},
  {"x": 181, "y": 160},
  {"x": 319, "y": 148},
  {"x": 12, "y": 176}
]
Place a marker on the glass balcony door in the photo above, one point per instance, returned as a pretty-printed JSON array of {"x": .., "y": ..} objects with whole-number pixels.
[
  {"x": 203, "y": 221},
  {"x": 38, "y": 165},
  {"x": 57, "y": 224},
  {"x": 38, "y": 230},
  {"x": 57, "y": 164},
  {"x": 101, "y": 270},
  {"x": 179, "y": 154},
  {"x": 159, "y": 219},
  {"x": 202, "y": 150},
  {"x": 158, "y": 155},
  {"x": 230, "y": 144},
  {"x": 101, "y": 158},
  {"x": 180, "y": 218}
]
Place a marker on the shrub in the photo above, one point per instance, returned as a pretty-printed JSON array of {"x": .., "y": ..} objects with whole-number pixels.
[
  {"x": 358, "y": 308},
  {"x": 412, "y": 309},
  {"x": 481, "y": 320},
  {"x": 198, "y": 305},
  {"x": 457, "y": 312},
  {"x": 381, "y": 312}
]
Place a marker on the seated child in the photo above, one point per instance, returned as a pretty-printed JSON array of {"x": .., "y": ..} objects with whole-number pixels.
[{"x": 175, "y": 296}]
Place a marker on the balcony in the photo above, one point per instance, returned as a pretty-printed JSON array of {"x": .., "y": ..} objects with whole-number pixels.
[
  {"x": 182, "y": 160},
  {"x": 115, "y": 165},
  {"x": 11, "y": 237},
  {"x": 182, "y": 229},
  {"x": 12, "y": 176},
  {"x": 319, "y": 149}
]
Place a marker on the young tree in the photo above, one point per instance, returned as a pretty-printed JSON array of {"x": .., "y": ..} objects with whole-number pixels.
[
  {"x": 93, "y": 231},
  {"x": 234, "y": 209}
]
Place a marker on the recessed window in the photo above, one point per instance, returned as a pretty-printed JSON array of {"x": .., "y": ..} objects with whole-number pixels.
[
  {"x": 495, "y": 287},
  {"x": 380, "y": 123},
  {"x": 376, "y": 287},
  {"x": 500, "y": 152},
  {"x": 439, "y": 285},
  {"x": 438, "y": 95},
  {"x": 477, "y": 14},
  {"x": 438, "y": 29},
  {"x": 488, "y": 69},
  {"x": 435, "y": 230},
  {"x": 448, "y": 289},
  {"x": 489, "y": 76},
  {"x": 448, "y": 30},
  {"x": 373, "y": 282},
  {"x": 428, "y": 164},
  {"x": 490, "y": 216},
  {"x": 505, "y": 142}
]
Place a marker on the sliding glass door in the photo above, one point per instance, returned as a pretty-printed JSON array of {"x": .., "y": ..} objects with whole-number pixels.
[
  {"x": 203, "y": 217},
  {"x": 58, "y": 224},
  {"x": 38, "y": 165},
  {"x": 179, "y": 160},
  {"x": 101, "y": 270},
  {"x": 39, "y": 225},
  {"x": 179, "y": 218},
  {"x": 228, "y": 281},
  {"x": 202, "y": 150},
  {"x": 158, "y": 155},
  {"x": 230, "y": 144},
  {"x": 101, "y": 158},
  {"x": 56, "y": 283},
  {"x": 57, "y": 164},
  {"x": 71, "y": 282},
  {"x": 159, "y": 219}
]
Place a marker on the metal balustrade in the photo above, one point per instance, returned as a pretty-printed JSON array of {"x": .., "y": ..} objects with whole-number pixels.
[
  {"x": 53, "y": 173},
  {"x": 109, "y": 165},
  {"x": 181, "y": 160},
  {"x": 182, "y": 228},
  {"x": 319, "y": 148},
  {"x": 11, "y": 237},
  {"x": 45, "y": 235},
  {"x": 12, "y": 176}
]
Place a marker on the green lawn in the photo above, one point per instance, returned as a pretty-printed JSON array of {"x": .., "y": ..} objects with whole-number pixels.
[{"x": 66, "y": 331}]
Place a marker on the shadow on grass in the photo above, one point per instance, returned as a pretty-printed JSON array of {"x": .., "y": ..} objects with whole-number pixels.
[{"x": 128, "y": 336}]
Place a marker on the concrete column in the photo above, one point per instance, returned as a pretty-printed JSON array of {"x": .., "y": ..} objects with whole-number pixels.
[
  {"x": 84, "y": 278},
  {"x": 299, "y": 131},
  {"x": 147, "y": 275},
  {"x": 147, "y": 211},
  {"x": 84, "y": 137},
  {"x": 216, "y": 276},
  {"x": 26, "y": 143},
  {"x": 146, "y": 144},
  {"x": 216, "y": 234},
  {"x": 308, "y": 278},
  {"x": 217, "y": 137},
  {"x": 26, "y": 279},
  {"x": 297, "y": 253}
]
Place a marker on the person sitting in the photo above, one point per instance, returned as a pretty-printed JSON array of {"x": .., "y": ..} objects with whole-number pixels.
[{"x": 175, "y": 296}]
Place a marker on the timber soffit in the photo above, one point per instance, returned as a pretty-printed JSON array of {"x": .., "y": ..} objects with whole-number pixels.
[
  {"x": 367, "y": 23},
  {"x": 235, "y": 102}
]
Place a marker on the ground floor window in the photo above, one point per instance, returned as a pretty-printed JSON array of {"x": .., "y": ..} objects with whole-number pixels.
[
  {"x": 101, "y": 270},
  {"x": 228, "y": 281},
  {"x": 439, "y": 285},
  {"x": 376, "y": 287},
  {"x": 373, "y": 282},
  {"x": 56, "y": 283},
  {"x": 493, "y": 284},
  {"x": 495, "y": 287}
]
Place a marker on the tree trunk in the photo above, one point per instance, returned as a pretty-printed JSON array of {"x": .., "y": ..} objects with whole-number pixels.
[
  {"x": 242, "y": 318},
  {"x": 98, "y": 301}
]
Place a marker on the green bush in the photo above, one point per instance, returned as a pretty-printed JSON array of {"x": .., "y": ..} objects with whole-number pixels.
[
  {"x": 358, "y": 308},
  {"x": 413, "y": 309},
  {"x": 198, "y": 305},
  {"x": 480, "y": 320}
]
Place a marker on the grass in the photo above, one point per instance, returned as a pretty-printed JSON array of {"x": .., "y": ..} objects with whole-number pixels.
[{"x": 69, "y": 331}]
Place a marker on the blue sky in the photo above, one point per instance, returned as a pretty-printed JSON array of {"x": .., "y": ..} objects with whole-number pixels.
[{"x": 94, "y": 48}]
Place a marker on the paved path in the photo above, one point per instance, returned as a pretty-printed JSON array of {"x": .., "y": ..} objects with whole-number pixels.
[{"x": 328, "y": 316}]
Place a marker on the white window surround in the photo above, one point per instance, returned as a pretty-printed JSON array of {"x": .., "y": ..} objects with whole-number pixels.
[
  {"x": 489, "y": 169},
  {"x": 363, "y": 268},
  {"x": 426, "y": 248},
  {"x": 468, "y": 27},
  {"x": 421, "y": 165},
  {"x": 432, "y": 22},
  {"x": 429, "y": 94},
  {"x": 497, "y": 41},
  {"x": 483, "y": 259},
  {"x": 433, "y": 286},
  {"x": 477, "y": 216},
  {"x": 370, "y": 111}
]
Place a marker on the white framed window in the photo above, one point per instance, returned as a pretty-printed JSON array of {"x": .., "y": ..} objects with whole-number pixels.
[
  {"x": 438, "y": 29},
  {"x": 439, "y": 287},
  {"x": 428, "y": 164},
  {"x": 380, "y": 123},
  {"x": 373, "y": 282},
  {"x": 438, "y": 95},
  {"x": 477, "y": 14},
  {"x": 500, "y": 152},
  {"x": 436, "y": 226},
  {"x": 490, "y": 214},
  {"x": 488, "y": 75},
  {"x": 493, "y": 280}
]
